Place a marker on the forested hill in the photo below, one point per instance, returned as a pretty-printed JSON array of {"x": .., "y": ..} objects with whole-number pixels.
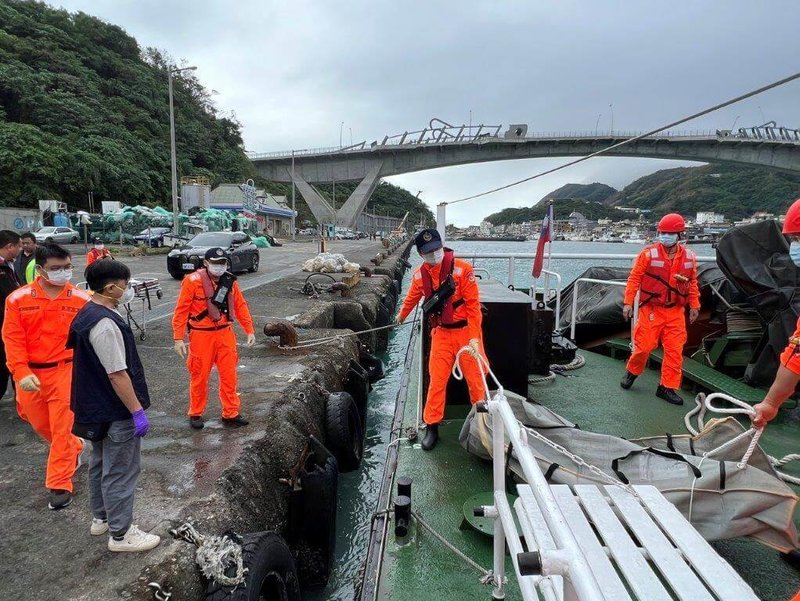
[
  {"x": 586, "y": 199},
  {"x": 84, "y": 108},
  {"x": 736, "y": 191}
]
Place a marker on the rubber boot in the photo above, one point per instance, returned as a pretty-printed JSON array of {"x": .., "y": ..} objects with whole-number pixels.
[
  {"x": 627, "y": 380},
  {"x": 669, "y": 395},
  {"x": 431, "y": 437}
]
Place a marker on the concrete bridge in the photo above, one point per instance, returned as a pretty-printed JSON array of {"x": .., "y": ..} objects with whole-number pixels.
[{"x": 443, "y": 145}]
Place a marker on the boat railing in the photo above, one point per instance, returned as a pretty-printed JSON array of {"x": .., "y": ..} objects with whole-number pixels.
[
  {"x": 575, "y": 294},
  {"x": 567, "y": 559}
]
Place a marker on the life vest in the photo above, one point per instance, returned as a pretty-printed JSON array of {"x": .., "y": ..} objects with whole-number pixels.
[
  {"x": 445, "y": 317},
  {"x": 215, "y": 310},
  {"x": 660, "y": 286}
]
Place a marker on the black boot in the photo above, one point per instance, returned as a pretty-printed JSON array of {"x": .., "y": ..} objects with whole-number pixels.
[
  {"x": 196, "y": 422},
  {"x": 669, "y": 395},
  {"x": 627, "y": 380},
  {"x": 431, "y": 437},
  {"x": 237, "y": 421}
]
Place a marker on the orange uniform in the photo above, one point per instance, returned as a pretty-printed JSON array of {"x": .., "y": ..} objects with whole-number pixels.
[
  {"x": 95, "y": 254},
  {"x": 35, "y": 335},
  {"x": 790, "y": 357},
  {"x": 666, "y": 287},
  {"x": 446, "y": 342},
  {"x": 210, "y": 343}
]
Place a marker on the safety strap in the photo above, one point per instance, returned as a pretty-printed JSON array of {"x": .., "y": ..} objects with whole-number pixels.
[
  {"x": 549, "y": 473},
  {"x": 615, "y": 463},
  {"x": 722, "y": 475},
  {"x": 670, "y": 446}
]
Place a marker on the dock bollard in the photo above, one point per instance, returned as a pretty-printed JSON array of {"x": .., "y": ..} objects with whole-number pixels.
[
  {"x": 402, "y": 519},
  {"x": 404, "y": 486}
]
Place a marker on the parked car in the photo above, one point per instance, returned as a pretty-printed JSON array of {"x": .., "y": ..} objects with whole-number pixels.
[
  {"x": 309, "y": 231},
  {"x": 243, "y": 254},
  {"x": 152, "y": 236},
  {"x": 345, "y": 234},
  {"x": 61, "y": 235}
]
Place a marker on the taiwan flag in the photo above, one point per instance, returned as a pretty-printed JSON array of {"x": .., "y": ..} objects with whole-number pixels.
[{"x": 546, "y": 235}]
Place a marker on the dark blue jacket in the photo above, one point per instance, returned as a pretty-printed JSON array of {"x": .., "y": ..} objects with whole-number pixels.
[{"x": 93, "y": 397}]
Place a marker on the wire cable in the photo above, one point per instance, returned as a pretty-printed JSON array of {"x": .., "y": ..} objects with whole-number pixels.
[{"x": 636, "y": 138}]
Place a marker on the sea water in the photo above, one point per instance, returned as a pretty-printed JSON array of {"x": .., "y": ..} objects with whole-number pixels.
[{"x": 358, "y": 490}]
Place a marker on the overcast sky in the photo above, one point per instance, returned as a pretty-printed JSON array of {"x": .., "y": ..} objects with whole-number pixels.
[{"x": 292, "y": 72}]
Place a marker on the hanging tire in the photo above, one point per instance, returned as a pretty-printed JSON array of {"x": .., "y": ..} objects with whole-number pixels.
[
  {"x": 345, "y": 438},
  {"x": 270, "y": 573},
  {"x": 357, "y": 385},
  {"x": 313, "y": 515},
  {"x": 373, "y": 366}
]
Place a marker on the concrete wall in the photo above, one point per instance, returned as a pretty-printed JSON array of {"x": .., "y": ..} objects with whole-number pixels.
[{"x": 20, "y": 220}]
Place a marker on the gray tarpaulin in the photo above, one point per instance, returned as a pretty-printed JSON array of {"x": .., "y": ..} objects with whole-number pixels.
[{"x": 728, "y": 502}]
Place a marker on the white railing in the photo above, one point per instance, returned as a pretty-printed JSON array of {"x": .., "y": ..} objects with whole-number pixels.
[
  {"x": 568, "y": 559},
  {"x": 546, "y": 290}
]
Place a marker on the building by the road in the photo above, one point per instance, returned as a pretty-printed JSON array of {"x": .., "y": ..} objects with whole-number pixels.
[
  {"x": 272, "y": 212},
  {"x": 708, "y": 218}
]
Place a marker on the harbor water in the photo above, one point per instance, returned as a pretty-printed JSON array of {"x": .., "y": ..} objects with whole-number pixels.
[{"x": 358, "y": 490}]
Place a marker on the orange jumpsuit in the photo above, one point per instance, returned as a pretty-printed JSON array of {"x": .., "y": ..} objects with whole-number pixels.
[
  {"x": 790, "y": 357},
  {"x": 95, "y": 254},
  {"x": 35, "y": 334},
  {"x": 659, "y": 322},
  {"x": 445, "y": 343},
  {"x": 210, "y": 344}
]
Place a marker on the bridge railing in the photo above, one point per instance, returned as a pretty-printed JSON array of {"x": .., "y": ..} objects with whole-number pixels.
[{"x": 491, "y": 133}]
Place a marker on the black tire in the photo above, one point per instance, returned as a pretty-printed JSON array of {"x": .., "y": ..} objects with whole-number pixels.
[
  {"x": 271, "y": 572},
  {"x": 48, "y": 239},
  {"x": 74, "y": 240},
  {"x": 357, "y": 385},
  {"x": 314, "y": 513},
  {"x": 345, "y": 438},
  {"x": 254, "y": 263},
  {"x": 373, "y": 366}
]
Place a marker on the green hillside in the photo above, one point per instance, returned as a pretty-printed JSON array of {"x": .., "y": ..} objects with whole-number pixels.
[
  {"x": 581, "y": 198},
  {"x": 736, "y": 191}
]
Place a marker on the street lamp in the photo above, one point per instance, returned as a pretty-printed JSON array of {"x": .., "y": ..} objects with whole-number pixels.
[
  {"x": 173, "y": 159},
  {"x": 341, "y": 127}
]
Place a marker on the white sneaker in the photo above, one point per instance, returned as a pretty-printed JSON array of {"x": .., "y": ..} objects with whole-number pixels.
[
  {"x": 134, "y": 540},
  {"x": 98, "y": 527}
]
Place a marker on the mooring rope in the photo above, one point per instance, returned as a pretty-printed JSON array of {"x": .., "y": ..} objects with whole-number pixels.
[
  {"x": 214, "y": 555},
  {"x": 328, "y": 339}
]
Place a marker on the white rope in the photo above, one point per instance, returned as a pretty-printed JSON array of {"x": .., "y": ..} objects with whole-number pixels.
[
  {"x": 741, "y": 408},
  {"x": 537, "y": 379},
  {"x": 320, "y": 341},
  {"x": 578, "y": 362},
  {"x": 214, "y": 555},
  {"x": 700, "y": 411}
]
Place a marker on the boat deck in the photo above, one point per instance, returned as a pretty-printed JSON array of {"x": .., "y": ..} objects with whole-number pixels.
[{"x": 446, "y": 478}]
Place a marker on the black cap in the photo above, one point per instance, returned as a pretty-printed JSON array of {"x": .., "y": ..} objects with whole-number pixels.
[
  {"x": 97, "y": 239},
  {"x": 428, "y": 241},
  {"x": 215, "y": 254}
]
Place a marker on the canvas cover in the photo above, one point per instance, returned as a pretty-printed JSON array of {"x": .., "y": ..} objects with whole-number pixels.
[{"x": 728, "y": 502}]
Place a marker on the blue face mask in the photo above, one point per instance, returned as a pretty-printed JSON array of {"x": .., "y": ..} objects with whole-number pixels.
[
  {"x": 668, "y": 239},
  {"x": 794, "y": 253}
]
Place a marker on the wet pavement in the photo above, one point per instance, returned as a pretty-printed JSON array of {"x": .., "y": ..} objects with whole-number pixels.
[{"x": 220, "y": 477}]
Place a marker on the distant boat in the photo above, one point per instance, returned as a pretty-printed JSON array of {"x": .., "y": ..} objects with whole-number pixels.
[
  {"x": 635, "y": 241},
  {"x": 493, "y": 238}
]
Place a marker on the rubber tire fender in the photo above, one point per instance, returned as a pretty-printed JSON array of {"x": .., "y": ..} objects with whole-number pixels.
[
  {"x": 357, "y": 385},
  {"x": 316, "y": 505},
  {"x": 344, "y": 436},
  {"x": 373, "y": 366},
  {"x": 270, "y": 573}
]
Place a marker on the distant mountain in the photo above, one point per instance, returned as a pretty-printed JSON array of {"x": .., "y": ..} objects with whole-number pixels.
[
  {"x": 586, "y": 199},
  {"x": 595, "y": 192},
  {"x": 736, "y": 191}
]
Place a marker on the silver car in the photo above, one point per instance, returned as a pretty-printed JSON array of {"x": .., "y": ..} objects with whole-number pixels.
[{"x": 62, "y": 235}]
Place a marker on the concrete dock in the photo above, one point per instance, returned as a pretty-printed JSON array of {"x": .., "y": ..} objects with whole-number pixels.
[{"x": 223, "y": 479}]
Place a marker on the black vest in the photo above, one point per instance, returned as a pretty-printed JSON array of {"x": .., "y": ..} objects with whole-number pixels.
[{"x": 93, "y": 397}]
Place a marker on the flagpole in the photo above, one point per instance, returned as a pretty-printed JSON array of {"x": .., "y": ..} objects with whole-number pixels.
[{"x": 552, "y": 233}]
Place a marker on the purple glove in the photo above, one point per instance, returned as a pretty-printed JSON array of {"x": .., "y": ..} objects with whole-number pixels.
[{"x": 140, "y": 423}]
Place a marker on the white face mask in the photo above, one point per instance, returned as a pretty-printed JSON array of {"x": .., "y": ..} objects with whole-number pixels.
[
  {"x": 59, "y": 277},
  {"x": 217, "y": 270},
  {"x": 435, "y": 257},
  {"x": 127, "y": 295}
]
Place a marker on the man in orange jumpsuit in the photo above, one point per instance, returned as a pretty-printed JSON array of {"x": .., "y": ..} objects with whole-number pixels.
[
  {"x": 35, "y": 329},
  {"x": 455, "y": 320},
  {"x": 98, "y": 252},
  {"x": 209, "y": 301},
  {"x": 788, "y": 376},
  {"x": 665, "y": 276}
]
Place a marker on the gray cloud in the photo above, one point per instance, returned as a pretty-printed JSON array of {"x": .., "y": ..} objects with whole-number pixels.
[{"x": 293, "y": 72}]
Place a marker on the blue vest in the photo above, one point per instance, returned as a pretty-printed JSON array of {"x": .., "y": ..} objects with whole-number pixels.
[{"x": 93, "y": 397}]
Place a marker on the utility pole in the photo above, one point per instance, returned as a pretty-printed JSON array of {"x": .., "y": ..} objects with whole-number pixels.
[{"x": 173, "y": 159}]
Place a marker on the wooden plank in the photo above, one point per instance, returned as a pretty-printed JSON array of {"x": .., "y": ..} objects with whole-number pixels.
[
  {"x": 713, "y": 569},
  {"x": 640, "y": 578},
  {"x": 666, "y": 558},
  {"x": 610, "y": 584},
  {"x": 534, "y": 527}
]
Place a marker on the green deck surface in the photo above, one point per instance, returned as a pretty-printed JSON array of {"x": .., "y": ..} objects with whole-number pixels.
[
  {"x": 447, "y": 476},
  {"x": 702, "y": 375}
]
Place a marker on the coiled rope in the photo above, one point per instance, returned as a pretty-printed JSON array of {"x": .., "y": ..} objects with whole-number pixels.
[
  {"x": 214, "y": 555},
  {"x": 556, "y": 368}
]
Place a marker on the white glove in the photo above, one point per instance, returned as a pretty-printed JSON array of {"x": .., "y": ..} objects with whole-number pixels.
[
  {"x": 30, "y": 383},
  {"x": 251, "y": 340},
  {"x": 180, "y": 348}
]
